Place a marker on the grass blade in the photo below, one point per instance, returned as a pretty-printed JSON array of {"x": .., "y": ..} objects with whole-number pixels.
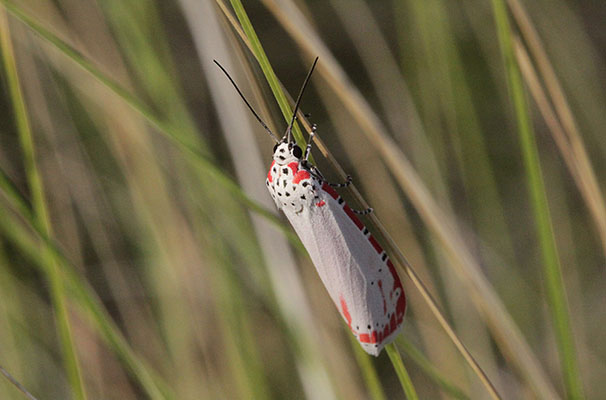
[
  {"x": 431, "y": 370},
  {"x": 16, "y": 383},
  {"x": 83, "y": 295},
  {"x": 199, "y": 160},
  {"x": 551, "y": 264},
  {"x": 369, "y": 373},
  {"x": 51, "y": 270},
  {"x": 585, "y": 177},
  {"x": 270, "y": 75},
  {"x": 398, "y": 364}
]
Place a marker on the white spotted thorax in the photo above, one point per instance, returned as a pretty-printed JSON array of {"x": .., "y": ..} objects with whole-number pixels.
[
  {"x": 290, "y": 184},
  {"x": 357, "y": 273}
]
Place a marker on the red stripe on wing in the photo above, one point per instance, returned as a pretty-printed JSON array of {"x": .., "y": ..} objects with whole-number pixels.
[
  {"x": 345, "y": 311},
  {"x": 353, "y": 217},
  {"x": 375, "y": 244},
  {"x": 326, "y": 187}
]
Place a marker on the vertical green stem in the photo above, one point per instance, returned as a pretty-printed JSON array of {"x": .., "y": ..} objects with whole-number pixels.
[
  {"x": 553, "y": 275},
  {"x": 41, "y": 213},
  {"x": 398, "y": 365},
  {"x": 369, "y": 373},
  {"x": 268, "y": 71}
]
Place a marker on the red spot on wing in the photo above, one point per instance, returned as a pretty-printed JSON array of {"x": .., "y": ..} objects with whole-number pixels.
[
  {"x": 353, "y": 217},
  {"x": 380, "y": 283},
  {"x": 375, "y": 244},
  {"x": 364, "y": 338},
  {"x": 368, "y": 338},
  {"x": 294, "y": 166},
  {"x": 269, "y": 177},
  {"x": 299, "y": 176},
  {"x": 345, "y": 311},
  {"x": 330, "y": 191},
  {"x": 320, "y": 204}
]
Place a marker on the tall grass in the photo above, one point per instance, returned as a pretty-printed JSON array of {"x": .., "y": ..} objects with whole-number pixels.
[{"x": 133, "y": 216}]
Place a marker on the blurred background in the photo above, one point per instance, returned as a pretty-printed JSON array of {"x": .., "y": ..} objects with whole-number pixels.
[{"x": 142, "y": 257}]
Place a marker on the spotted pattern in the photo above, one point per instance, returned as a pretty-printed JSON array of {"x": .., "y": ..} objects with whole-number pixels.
[{"x": 294, "y": 187}]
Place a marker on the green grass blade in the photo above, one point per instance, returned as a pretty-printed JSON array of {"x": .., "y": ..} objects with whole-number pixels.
[
  {"x": 84, "y": 296},
  {"x": 51, "y": 270},
  {"x": 369, "y": 373},
  {"x": 414, "y": 353},
  {"x": 398, "y": 364},
  {"x": 267, "y": 69},
  {"x": 552, "y": 270}
]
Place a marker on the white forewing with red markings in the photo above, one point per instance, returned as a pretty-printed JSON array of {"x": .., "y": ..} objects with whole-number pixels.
[{"x": 359, "y": 277}]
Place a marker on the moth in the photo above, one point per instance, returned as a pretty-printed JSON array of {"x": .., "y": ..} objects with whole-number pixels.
[{"x": 357, "y": 273}]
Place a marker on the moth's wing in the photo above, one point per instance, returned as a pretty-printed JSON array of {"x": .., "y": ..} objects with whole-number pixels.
[{"x": 358, "y": 275}]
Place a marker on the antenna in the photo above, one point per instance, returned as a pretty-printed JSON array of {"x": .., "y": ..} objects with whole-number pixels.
[
  {"x": 274, "y": 137},
  {"x": 294, "y": 113}
]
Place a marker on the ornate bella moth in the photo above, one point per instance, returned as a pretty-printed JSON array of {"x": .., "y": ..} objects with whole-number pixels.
[{"x": 359, "y": 277}]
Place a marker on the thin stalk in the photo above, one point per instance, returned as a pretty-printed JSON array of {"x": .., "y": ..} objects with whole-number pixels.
[
  {"x": 398, "y": 364},
  {"x": 430, "y": 370},
  {"x": 369, "y": 373},
  {"x": 266, "y": 67},
  {"x": 556, "y": 293},
  {"x": 16, "y": 383},
  {"x": 36, "y": 187},
  {"x": 586, "y": 179}
]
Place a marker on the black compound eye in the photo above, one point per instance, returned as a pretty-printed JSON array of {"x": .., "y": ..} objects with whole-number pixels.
[
  {"x": 297, "y": 152},
  {"x": 276, "y": 146}
]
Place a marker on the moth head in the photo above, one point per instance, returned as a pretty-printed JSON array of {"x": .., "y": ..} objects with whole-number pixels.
[{"x": 285, "y": 153}]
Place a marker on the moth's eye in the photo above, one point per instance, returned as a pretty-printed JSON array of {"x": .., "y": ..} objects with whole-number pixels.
[
  {"x": 275, "y": 147},
  {"x": 297, "y": 152}
]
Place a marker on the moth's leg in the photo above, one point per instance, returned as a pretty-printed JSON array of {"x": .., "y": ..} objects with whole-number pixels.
[
  {"x": 314, "y": 127},
  {"x": 363, "y": 212},
  {"x": 313, "y": 169},
  {"x": 344, "y": 184},
  {"x": 318, "y": 175}
]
